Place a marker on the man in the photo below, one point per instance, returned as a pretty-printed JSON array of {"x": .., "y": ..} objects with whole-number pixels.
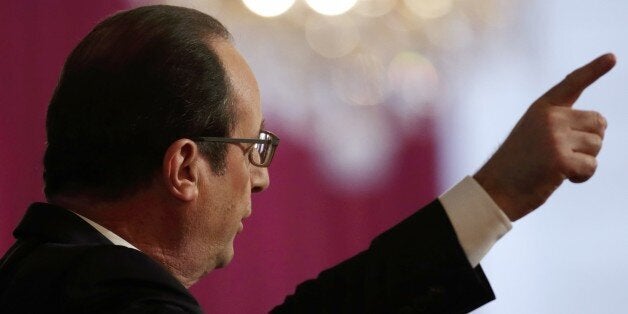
[{"x": 156, "y": 141}]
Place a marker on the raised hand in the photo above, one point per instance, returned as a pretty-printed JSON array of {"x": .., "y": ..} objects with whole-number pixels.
[{"x": 551, "y": 142}]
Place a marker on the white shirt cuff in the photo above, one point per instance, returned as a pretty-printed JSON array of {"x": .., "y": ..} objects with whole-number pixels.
[{"x": 477, "y": 220}]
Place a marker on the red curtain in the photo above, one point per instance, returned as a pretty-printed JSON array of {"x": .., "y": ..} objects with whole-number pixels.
[
  {"x": 36, "y": 37},
  {"x": 299, "y": 226}
]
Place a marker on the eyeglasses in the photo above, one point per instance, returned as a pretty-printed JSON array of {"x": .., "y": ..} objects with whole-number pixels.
[{"x": 265, "y": 146}]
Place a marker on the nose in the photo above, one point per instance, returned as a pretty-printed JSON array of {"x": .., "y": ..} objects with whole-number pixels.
[{"x": 260, "y": 179}]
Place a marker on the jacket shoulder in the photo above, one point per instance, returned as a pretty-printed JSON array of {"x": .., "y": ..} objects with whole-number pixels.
[{"x": 91, "y": 278}]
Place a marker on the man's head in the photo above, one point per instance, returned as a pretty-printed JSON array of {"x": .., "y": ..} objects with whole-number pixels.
[
  {"x": 124, "y": 125},
  {"x": 137, "y": 82}
]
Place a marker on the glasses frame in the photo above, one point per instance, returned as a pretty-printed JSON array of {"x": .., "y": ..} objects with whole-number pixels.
[{"x": 273, "y": 141}]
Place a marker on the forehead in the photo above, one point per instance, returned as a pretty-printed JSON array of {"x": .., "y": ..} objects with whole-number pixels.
[{"x": 244, "y": 88}]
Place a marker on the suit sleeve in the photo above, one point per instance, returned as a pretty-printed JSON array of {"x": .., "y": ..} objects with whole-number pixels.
[{"x": 417, "y": 266}]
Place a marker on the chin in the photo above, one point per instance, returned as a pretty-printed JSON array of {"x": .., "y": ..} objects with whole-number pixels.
[{"x": 225, "y": 258}]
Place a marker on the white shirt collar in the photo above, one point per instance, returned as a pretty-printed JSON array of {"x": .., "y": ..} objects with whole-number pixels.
[{"x": 114, "y": 238}]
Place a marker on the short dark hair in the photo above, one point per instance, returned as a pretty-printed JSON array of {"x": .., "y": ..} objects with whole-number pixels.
[{"x": 140, "y": 80}]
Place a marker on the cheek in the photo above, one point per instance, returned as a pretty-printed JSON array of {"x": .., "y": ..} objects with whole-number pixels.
[
  {"x": 240, "y": 180},
  {"x": 240, "y": 183},
  {"x": 237, "y": 185},
  {"x": 241, "y": 198}
]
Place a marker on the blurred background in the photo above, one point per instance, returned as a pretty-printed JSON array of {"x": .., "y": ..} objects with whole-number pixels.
[{"x": 381, "y": 106}]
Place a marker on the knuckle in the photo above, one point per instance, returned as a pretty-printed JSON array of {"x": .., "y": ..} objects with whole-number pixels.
[
  {"x": 590, "y": 143},
  {"x": 596, "y": 141},
  {"x": 550, "y": 118},
  {"x": 581, "y": 170},
  {"x": 558, "y": 140},
  {"x": 600, "y": 122},
  {"x": 555, "y": 116},
  {"x": 597, "y": 116},
  {"x": 590, "y": 166},
  {"x": 595, "y": 122}
]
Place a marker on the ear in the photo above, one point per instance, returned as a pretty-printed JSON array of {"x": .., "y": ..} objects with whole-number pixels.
[{"x": 181, "y": 169}]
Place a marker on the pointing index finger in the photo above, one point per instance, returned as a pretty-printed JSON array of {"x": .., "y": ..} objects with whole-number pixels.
[{"x": 568, "y": 90}]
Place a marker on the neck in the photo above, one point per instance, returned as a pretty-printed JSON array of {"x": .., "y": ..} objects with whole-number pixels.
[{"x": 148, "y": 224}]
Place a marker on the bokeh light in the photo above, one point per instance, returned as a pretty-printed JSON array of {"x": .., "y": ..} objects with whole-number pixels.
[
  {"x": 429, "y": 9},
  {"x": 356, "y": 148},
  {"x": 452, "y": 34},
  {"x": 360, "y": 80},
  {"x": 332, "y": 37},
  {"x": 331, "y": 7},
  {"x": 268, "y": 8},
  {"x": 414, "y": 80},
  {"x": 374, "y": 8}
]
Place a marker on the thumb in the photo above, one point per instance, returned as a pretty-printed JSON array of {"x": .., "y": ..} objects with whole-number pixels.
[{"x": 568, "y": 90}]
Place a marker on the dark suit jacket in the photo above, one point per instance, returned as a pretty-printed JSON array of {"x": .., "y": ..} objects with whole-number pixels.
[
  {"x": 60, "y": 264},
  {"x": 418, "y": 266}
]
